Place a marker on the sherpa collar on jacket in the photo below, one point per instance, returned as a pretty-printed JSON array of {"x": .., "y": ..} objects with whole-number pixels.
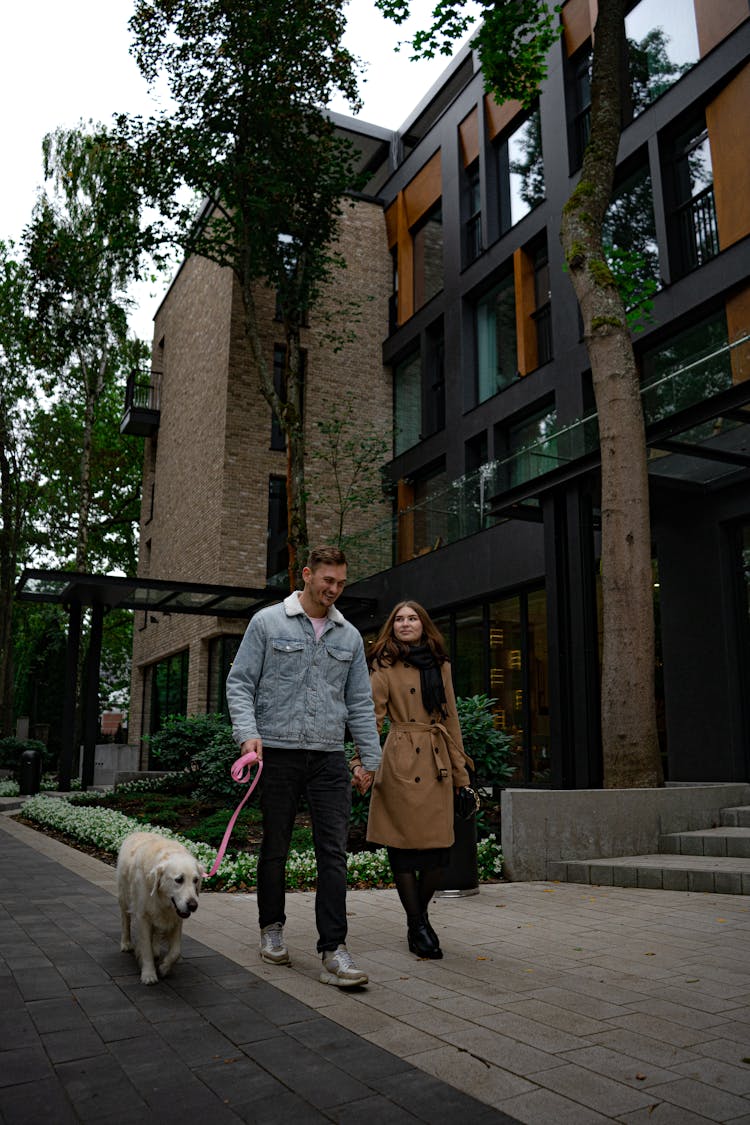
[{"x": 293, "y": 608}]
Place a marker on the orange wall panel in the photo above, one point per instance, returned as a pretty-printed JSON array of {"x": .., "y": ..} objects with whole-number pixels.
[
  {"x": 468, "y": 133},
  {"x": 715, "y": 19},
  {"x": 424, "y": 190},
  {"x": 499, "y": 116},
  {"x": 578, "y": 19},
  {"x": 523, "y": 277},
  {"x": 738, "y": 325},
  {"x": 728, "y": 124}
]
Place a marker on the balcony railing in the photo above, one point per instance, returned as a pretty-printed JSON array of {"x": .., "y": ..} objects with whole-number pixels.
[
  {"x": 464, "y": 506},
  {"x": 698, "y": 230},
  {"x": 141, "y": 414}
]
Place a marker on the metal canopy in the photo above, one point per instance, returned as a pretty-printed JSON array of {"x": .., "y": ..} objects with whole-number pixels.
[
  {"x": 62, "y": 587},
  {"x": 103, "y": 592}
]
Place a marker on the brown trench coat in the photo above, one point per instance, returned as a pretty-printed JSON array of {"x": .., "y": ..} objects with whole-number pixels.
[{"x": 423, "y": 759}]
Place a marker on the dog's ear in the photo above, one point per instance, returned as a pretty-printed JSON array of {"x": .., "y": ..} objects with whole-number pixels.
[{"x": 153, "y": 877}]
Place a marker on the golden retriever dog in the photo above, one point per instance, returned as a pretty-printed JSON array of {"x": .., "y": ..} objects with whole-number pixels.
[{"x": 158, "y": 883}]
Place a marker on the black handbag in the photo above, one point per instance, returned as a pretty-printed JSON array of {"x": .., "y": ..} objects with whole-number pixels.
[{"x": 466, "y": 803}]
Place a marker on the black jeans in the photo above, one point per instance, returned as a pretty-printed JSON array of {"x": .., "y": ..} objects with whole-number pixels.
[{"x": 324, "y": 778}]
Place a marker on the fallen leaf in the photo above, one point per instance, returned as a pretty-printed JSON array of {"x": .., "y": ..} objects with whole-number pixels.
[
  {"x": 649, "y": 955},
  {"x": 500, "y": 905},
  {"x": 549, "y": 890},
  {"x": 482, "y": 958},
  {"x": 641, "y": 1077},
  {"x": 722, "y": 919}
]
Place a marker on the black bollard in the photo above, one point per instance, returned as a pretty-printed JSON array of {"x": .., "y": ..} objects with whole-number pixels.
[{"x": 30, "y": 773}]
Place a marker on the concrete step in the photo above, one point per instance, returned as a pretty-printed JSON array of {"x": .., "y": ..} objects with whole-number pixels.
[
  {"x": 738, "y": 817},
  {"x": 726, "y": 841},
  {"x": 705, "y": 873}
]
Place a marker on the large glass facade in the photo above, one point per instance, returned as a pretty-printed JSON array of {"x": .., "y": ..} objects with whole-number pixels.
[
  {"x": 497, "y": 355},
  {"x": 629, "y": 237}
]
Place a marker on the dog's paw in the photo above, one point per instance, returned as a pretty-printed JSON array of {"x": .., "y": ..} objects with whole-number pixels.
[
  {"x": 126, "y": 947},
  {"x": 148, "y": 976}
]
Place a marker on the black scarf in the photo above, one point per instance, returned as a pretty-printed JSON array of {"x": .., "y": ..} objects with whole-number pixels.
[{"x": 430, "y": 678}]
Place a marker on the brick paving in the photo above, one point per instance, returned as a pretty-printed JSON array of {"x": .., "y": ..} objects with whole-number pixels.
[{"x": 555, "y": 1003}]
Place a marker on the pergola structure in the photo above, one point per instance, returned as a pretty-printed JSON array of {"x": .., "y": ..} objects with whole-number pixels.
[{"x": 101, "y": 593}]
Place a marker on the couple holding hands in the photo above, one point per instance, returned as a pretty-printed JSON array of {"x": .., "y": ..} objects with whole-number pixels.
[{"x": 299, "y": 679}]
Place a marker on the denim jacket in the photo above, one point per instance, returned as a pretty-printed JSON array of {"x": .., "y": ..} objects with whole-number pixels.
[{"x": 292, "y": 690}]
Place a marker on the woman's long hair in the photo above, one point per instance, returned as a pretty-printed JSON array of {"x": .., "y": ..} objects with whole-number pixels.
[{"x": 387, "y": 650}]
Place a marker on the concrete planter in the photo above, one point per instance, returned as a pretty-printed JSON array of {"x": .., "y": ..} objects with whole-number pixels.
[{"x": 540, "y": 828}]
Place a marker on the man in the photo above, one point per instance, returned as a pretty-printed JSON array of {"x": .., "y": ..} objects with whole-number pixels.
[{"x": 298, "y": 679}]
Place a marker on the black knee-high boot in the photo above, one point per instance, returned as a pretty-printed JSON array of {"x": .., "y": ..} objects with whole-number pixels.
[
  {"x": 419, "y": 938},
  {"x": 428, "y": 883}
]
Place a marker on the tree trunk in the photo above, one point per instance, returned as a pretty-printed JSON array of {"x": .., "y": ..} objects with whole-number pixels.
[{"x": 629, "y": 736}]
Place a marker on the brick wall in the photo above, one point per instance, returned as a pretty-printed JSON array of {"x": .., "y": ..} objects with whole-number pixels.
[{"x": 206, "y": 518}]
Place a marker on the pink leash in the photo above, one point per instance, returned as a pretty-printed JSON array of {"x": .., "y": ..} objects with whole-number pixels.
[{"x": 241, "y": 773}]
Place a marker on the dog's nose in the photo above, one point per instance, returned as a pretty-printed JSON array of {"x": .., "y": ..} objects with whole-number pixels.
[{"x": 192, "y": 905}]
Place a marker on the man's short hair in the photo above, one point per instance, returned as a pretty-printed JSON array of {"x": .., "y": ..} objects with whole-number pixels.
[{"x": 326, "y": 556}]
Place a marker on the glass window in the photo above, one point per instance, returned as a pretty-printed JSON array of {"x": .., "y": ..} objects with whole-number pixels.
[
  {"x": 533, "y": 439},
  {"x": 430, "y": 511},
  {"x": 542, "y": 315},
  {"x": 473, "y": 214},
  {"x": 538, "y": 685},
  {"x": 427, "y": 240},
  {"x": 468, "y": 663},
  {"x": 434, "y": 391},
  {"x": 506, "y": 672},
  {"x": 579, "y": 104},
  {"x": 690, "y": 367},
  {"x": 169, "y": 686},
  {"x": 526, "y": 168},
  {"x": 278, "y": 441},
  {"x": 497, "y": 356},
  {"x": 662, "y": 45},
  {"x": 695, "y": 232},
  {"x": 407, "y": 390},
  {"x": 221, "y": 653},
  {"x": 277, "y": 549}
]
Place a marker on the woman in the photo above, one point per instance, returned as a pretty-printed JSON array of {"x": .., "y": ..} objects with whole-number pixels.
[{"x": 411, "y": 810}]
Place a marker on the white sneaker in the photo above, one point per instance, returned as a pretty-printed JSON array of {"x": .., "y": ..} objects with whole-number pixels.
[
  {"x": 272, "y": 946},
  {"x": 339, "y": 969}
]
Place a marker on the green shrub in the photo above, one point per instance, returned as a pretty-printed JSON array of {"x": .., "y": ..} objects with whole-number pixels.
[
  {"x": 211, "y": 771},
  {"x": 490, "y": 749},
  {"x": 184, "y": 738},
  {"x": 12, "y": 748},
  {"x": 211, "y": 828}
]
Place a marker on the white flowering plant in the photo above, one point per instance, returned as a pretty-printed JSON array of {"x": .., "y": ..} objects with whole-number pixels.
[{"x": 105, "y": 829}]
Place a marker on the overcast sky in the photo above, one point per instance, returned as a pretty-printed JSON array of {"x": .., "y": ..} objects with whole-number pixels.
[{"x": 62, "y": 61}]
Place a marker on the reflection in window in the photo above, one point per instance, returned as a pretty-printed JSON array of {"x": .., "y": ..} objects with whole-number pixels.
[
  {"x": 526, "y": 168},
  {"x": 629, "y": 237},
  {"x": 518, "y": 674},
  {"x": 169, "y": 688},
  {"x": 534, "y": 443},
  {"x": 407, "y": 390},
  {"x": 427, "y": 241},
  {"x": 542, "y": 315},
  {"x": 497, "y": 356},
  {"x": 431, "y": 512},
  {"x": 690, "y": 367},
  {"x": 662, "y": 45},
  {"x": 468, "y": 665}
]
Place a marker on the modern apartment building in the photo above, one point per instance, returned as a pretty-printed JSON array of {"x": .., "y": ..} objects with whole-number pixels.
[{"x": 471, "y": 349}]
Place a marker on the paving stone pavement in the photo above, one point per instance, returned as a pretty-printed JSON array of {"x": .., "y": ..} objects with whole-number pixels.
[{"x": 555, "y": 1003}]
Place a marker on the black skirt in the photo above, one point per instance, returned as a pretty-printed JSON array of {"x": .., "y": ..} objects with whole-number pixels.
[{"x": 417, "y": 859}]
